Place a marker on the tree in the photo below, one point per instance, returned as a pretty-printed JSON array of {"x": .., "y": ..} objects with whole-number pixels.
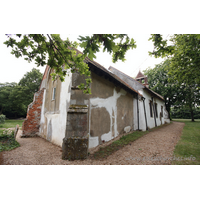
[
  {"x": 15, "y": 98},
  {"x": 5, "y": 90},
  {"x": 18, "y": 101},
  {"x": 51, "y": 50},
  {"x": 158, "y": 82},
  {"x": 188, "y": 98},
  {"x": 30, "y": 84},
  {"x": 184, "y": 66}
]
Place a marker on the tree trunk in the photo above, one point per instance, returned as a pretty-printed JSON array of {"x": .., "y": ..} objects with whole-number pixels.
[
  {"x": 192, "y": 114},
  {"x": 168, "y": 109}
]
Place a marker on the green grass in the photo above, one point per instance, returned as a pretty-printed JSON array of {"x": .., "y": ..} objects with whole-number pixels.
[
  {"x": 7, "y": 141},
  {"x": 104, "y": 152},
  {"x": 11, "y": 123},
  {"x": 188, "y": 147}
]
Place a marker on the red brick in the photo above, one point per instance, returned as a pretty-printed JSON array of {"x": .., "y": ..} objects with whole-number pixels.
[{"x": 32, "y": 122}]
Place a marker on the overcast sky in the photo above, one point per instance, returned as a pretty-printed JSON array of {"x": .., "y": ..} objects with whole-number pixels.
[{"x": 13, "y": 69}]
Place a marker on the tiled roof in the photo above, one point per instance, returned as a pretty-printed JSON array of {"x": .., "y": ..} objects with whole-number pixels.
[
  {"x": 109, "y": 73},
  {"x": 154, "y": 93},
  {"x": 100, "y": 67},
  {"x": 151, "y": 91}
]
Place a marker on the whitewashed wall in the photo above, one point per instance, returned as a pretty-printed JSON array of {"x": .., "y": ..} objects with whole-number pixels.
[
  {"x": 151, "y": 120},
  {"x": 57, "y": 121}
]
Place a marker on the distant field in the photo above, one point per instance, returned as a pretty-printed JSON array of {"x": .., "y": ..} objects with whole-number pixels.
[
  {"x": 11, "y": 123},
  {"x": 187, "y": 150}
]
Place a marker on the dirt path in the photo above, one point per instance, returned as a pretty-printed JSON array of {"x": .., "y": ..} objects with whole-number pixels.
[{"x": 155, "y": 148}]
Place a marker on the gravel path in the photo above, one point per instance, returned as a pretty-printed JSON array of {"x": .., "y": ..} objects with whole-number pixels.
[{"x": 154, "y": 148}]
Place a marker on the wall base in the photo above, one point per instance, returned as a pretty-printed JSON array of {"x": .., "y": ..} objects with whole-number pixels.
[{"x": 75, "y": 148}]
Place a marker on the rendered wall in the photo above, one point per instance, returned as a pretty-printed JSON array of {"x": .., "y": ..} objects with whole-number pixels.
[
  {"x": 110, "y": 111},
  {"x": 110, "y": 108},
  {"x": 54, "y": 113},
  {"x": 150, "y": 120}
]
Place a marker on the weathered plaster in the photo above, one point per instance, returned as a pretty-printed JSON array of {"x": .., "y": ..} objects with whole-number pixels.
[
  {"x": 124, "y": 112},
  {"x": 58, "y": 118},
  {"x": 100, "y": 121},
  {"x": 101, "y": 87},
  {"x": 110, "y": 105}
]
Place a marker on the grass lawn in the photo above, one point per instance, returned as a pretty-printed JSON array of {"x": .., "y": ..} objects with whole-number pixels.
[
  {"x": 7, "y": 140},
  {"x": 188, "y": 147},
  {"x": 11, "y": 123}
]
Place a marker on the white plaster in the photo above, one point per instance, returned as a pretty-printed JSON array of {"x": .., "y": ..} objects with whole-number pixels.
[
  {"x": 141, "y": 91},
  {"x": 42, "y": 118},
  {"x": 107, "y": 136},
  {"x": 151, "y": 120},
  {"x": 93, "y": 142},
  {"x": 111, "y": 105},
  {"x": 127, "y": 129},
  {"x": 59, "y": 120}
]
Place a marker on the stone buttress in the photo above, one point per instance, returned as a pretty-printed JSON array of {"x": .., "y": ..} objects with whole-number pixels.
[{"x": 75, "y": 143}]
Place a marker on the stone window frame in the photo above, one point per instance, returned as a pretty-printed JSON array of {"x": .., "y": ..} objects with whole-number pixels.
[{"x": 54, "y": 94}]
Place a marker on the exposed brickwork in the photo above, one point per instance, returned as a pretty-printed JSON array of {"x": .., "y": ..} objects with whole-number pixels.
[{"x": 32, "y": 122}]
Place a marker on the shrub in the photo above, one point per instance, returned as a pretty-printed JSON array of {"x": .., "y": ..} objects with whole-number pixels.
[
  {"x": 7, "y": 141},
  {"x": 2, "y": 119}
]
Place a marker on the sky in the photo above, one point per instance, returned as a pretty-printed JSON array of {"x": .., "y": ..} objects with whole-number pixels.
[{"x": 12, "y": 69}]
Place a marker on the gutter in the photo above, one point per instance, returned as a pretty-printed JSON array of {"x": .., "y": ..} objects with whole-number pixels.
[
  {"x": 154, "y": 112},
  {"x": 138, "y": 114},
  {"x": 145, "y": 113}
]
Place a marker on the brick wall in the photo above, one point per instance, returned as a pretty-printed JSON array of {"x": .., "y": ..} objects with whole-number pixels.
[{"x": 32, "y": 122}]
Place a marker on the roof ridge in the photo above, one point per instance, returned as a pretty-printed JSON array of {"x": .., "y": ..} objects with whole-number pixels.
[
  {"x": 107, "y": 71},
  {"x": 140, "y": 83},
  {"x": 128, "y": 76}
]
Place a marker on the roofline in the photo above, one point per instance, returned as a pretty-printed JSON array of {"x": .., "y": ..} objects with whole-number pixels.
[
  {"x": 100, "y": 67},
  {"x": 112, "y": 75},
  {"x": 108, "y": 72},
  {"x": 158, "y": 95}
]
